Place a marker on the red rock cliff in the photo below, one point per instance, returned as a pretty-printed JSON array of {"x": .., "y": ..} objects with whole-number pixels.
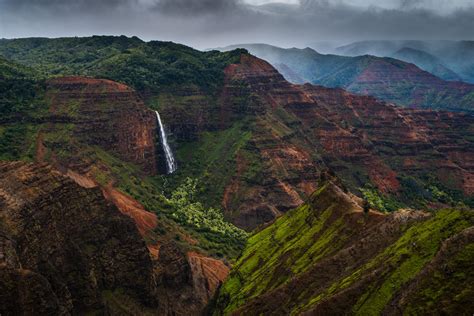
[
  {"x": 107, "y": 114},
  {"x": 302, "y": 129}
]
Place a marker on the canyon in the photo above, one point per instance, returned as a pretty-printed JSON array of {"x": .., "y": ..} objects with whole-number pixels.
[
  {"x": 86, "y": 167},
  {"x": 298, "y": 131}
]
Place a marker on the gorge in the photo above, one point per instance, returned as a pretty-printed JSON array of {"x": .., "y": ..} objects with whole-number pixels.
[{"x": 289, "y": 199}]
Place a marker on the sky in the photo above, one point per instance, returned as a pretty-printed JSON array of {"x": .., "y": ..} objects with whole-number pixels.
[{"x": 216, "y": 23}]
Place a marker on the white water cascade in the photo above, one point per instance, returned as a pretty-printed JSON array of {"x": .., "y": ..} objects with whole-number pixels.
[{"x": 170, "y": 161}]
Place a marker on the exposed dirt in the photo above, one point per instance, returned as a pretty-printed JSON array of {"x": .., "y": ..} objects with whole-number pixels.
[{"x": 144, "y": 220}]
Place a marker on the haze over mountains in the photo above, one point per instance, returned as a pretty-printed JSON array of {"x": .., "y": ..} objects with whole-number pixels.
[
  {"x": 386, "y": 78},
  {"x": 455, "y": 55}
]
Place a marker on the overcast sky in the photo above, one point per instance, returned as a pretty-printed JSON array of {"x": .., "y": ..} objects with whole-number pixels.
[{"x": 213, "y": 23}]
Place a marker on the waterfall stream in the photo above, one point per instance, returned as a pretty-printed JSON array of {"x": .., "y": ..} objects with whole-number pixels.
[{"x": 170, "y": 161}]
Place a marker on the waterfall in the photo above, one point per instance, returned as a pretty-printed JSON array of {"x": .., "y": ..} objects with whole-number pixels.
[{"x": 170, "y": 162}]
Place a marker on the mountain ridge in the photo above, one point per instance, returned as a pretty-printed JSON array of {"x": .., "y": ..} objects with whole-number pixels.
[
  {"x": 386, "y": 78},
  {"x": 456, "y": 55},
  {"x": 331, "y": 256}
]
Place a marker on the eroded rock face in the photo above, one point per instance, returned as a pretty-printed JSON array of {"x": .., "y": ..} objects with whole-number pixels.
[
  {"x": 186, "y": 281},
  {"x": 68, "y": 246},
  {"x": 109, "y": 115},
  {"x": 331, "y": 257},
  {"x": 300, "y": 130},
  {"x": 388, "y": 140},
  {"x": 62, "y": 246}
]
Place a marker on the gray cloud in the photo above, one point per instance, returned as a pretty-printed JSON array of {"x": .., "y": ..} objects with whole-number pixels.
[
  {"x": 211, "y": 23},
  {"x": 18, "y": 6},
  {"x": 198, "y": 7}
]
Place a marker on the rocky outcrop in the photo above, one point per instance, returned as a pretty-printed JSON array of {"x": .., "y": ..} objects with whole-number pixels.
[
  {"x": 332, "y": 257},
  {"x": 186, "y": 281},
  {"x": 208, "y": 275},
  {"x": 301, "y": 130},
  {"x": 107, "y": 114},
  {"x": 64, "y": 246},
  {"x": 65, "y": 249}
]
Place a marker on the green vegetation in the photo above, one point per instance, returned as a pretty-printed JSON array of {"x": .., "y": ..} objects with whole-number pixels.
[
  {"x": 284, "y": 249},
  {"x": 297, "y": 241},
  {"x": 146, "y": 66},
  {"x": 378, "y": 201},
  {"x": 213, "y": 233},
  {"x": 211, "y": 160},
  {"x": 208, "y": 221},
  {"x": 417, "y": 193},
  {"x": 17, "y": 142},
  {"x": 20, "y": 93},
  {"x": 11, "y": 70},
  {"x": 451, "y": 282},
  {"x": 409, "y": 255}
]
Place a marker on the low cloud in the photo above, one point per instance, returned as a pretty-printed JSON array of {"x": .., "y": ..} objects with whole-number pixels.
[
  {"x": 211, "y": 23},
  {"x": 192, "y": 8}
]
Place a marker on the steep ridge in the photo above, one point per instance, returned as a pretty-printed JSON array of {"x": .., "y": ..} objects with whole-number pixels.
[
  {"x": 301, "y": 129},
  {"x": 405, "y": 84},
  {"x": 457, "y": 55},
  {"x": 67, "y": 243},
  {"x": 330, "y": 256},
  {"x": 65, "y": 249},
  {"x": 386, "y": 78},
  {"x": 427, "y": 62},
  {"x": 265, "y": 141}
]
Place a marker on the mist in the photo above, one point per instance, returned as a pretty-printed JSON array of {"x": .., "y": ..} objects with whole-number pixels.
[{"x": 212, "y": 23}]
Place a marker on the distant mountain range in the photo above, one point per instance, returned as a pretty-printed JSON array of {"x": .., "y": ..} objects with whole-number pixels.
[
  {"x": 386, "y": 78},
  {"x": 427, "y": 62},
  {"x": 458, "y": 56}
]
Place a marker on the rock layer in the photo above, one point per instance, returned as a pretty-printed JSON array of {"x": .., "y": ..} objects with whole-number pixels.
[
  {"x": 109, "y": 115},
  {"x": 330, "y": 257},
  {"x": 69, "y": 242},
  {"x": 300, "y": 130},
  {"x": 65, "y": 249}
]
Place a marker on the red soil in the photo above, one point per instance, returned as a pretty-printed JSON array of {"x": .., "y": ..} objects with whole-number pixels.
[{"x": 144, "y": 220}]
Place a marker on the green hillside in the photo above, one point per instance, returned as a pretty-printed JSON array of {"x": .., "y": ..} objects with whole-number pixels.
[
  {"x": 146, "y": 66},
  {"x": 330, "y": 256}
]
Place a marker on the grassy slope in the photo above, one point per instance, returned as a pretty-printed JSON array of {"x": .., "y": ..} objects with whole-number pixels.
[{"x": 289, "y": 247}]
